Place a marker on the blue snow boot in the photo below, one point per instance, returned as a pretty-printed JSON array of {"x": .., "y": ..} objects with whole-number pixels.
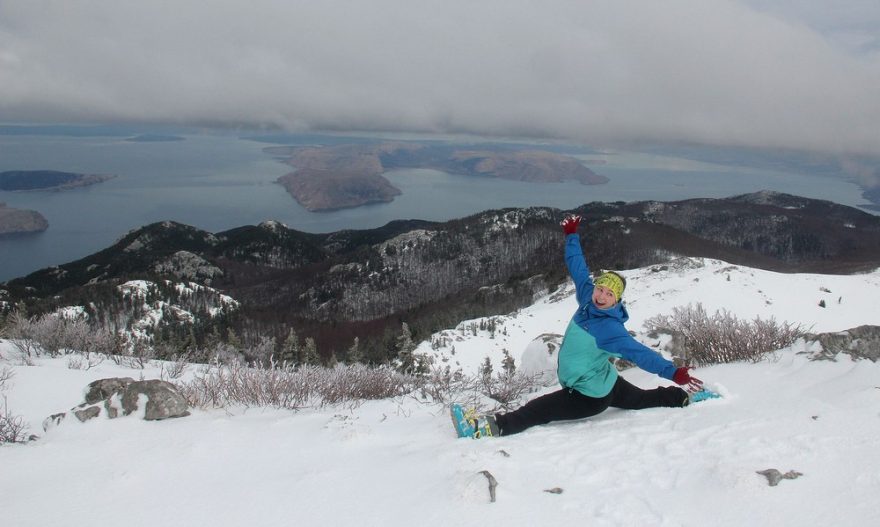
[
  {"x": 468, "y": 424},
  {"x": 702, "y": 395}
]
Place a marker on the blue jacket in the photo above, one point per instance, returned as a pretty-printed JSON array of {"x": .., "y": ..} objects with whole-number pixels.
[{"x": 595, "y": 335}]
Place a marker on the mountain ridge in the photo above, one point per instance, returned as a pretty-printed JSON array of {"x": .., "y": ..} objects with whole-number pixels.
[{"x": 349, "y": 283}]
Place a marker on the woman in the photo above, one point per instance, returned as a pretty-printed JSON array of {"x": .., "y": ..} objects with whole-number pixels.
[{"x": 590, "y": 382}]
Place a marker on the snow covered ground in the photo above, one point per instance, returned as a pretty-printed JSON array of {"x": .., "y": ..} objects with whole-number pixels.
[{"x": 397, "y": 462}]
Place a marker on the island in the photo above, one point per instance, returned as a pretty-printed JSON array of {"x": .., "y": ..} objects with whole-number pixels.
[
  {"x": 343, "y": 176},
  {"x": 21, "y": 221},
  {"x": 24, "y": 180}
]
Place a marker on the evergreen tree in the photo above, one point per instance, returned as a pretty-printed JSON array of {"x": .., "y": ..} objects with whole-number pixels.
[
  {"x": 291, "y": 349},
  {"x": 486, "y": 370},
  {"x": 310, "y": 352},
  {"x": 508, "y": 364},
  {"x": 405, "y": 348},
  {"x": 233, "y": 340},
  {"x": 354, "y": 354}
]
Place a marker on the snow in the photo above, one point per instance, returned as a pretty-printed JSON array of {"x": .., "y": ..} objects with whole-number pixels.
[{"x": 397, "y": 462}]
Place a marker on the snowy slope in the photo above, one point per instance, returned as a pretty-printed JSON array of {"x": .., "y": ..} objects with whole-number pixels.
[
  {"x": 396, "y": 462},
  {"x": 850, "y": 301}
]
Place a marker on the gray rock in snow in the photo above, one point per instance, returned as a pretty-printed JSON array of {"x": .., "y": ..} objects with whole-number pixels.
[
  {"x": 53, "y": 420},
  {"x": 163, "y": 400},
  {"x": 84, "y": 413},
  {"x": 861, "y": 342},
  {"x": 103, "y": 389},
  {"x": 774, "y": 476}
]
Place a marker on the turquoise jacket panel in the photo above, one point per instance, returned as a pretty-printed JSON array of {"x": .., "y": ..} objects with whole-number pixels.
[{"x": 595, "y": 335}]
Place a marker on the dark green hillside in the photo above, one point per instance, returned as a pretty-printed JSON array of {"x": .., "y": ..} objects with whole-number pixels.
[{"x": 337, "y": 286}]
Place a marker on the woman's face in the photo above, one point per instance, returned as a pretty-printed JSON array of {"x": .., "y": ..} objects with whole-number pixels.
[{"x": 603, "y": 297}]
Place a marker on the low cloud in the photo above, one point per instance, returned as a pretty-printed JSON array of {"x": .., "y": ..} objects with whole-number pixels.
[{"x": 716, "y": 72}]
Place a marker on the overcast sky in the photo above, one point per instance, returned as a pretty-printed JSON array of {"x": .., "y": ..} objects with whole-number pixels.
[{"x": 783, "y": 73}]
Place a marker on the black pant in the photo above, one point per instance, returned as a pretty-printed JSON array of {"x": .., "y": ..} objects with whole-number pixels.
[{"x": 567, "y": 404}]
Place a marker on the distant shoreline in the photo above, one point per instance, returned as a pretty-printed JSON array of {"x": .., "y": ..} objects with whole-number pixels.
[{"x": 155, "y": 138}]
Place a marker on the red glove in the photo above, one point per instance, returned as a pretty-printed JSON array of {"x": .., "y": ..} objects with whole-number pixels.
[
  {"x": 682, "y": 377},
  {"x": 570, "y": 224}
]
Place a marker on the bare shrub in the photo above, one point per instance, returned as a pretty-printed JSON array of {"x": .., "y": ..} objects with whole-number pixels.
[
  {"x": 84, "y": 361},
  {"x": 56, "y": 335},
  {"x": 224, "y": 353},
  {"x": 12, "y": 427},
  {"x": 359, "y": 382},
  {"x": 49, "y": 332},
  {"x": 507, "y": 387},
  {"x": 722, "y": 337},
  {"x": 135, "y": 354},
  {"x": 440, "y": 384},
  {"x": 6, "y": 374},
  {"x": 287, "y": 387},
  {"x": 262, "y": 352},
  {"x": 175, "y": 368},
  {"x": 20, "y": 330}
]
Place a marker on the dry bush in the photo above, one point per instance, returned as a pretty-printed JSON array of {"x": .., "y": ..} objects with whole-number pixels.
[
  {"x": 288, "y": 387},
  {"x": 6, "y": 374},
  {"x": 19, "y": 329},
  {"x": 84, "y": 361},
  {"x": 722, "y": 337},
  {"x": 135, "y": 353},
  {"x": 12, "y": 427},
  {"x": 284, "y": 386},
  {"x": 359, "y": 382},
  {"x": 262, "y": 352},
  {"x": 174, "y": 368},
  {"x": 441, "y": 384},
  {"x": 508, "y": 387},
  {"x": 56, "y": 335}
]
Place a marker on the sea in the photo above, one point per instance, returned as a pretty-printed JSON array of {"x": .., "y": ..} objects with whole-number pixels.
[{"x": 218, "y": 180}]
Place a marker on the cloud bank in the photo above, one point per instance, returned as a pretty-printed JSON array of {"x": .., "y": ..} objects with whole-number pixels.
[{"x": 715, "y": 72}]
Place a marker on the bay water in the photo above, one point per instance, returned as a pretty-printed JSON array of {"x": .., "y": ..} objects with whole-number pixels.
[{"x": 217, "y": 181}]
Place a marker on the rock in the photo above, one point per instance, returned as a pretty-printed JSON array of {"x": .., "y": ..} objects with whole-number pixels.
[
  {"x": 774, "y": 476},
  {"x": 163, "y": 400},
  {"x": 189, "y": 266},
  {"x": 87, "y": 412},
  {"x": 123, "y": 395},
  {"x": 103, "y": 389},
  {"x": 53, "y": 420},
  {"x": 539, "y": 358},
  {"x": 862, "y": 342}
]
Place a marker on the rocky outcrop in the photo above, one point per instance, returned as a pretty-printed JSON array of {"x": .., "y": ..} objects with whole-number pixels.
[
  {"x": 862, "y": 342},
  {"x": 540, "y": 357},
  {"x": 121, "y": 396},
  {"x": 21, "y": 221},
  {"x": 188, "y": 266}
]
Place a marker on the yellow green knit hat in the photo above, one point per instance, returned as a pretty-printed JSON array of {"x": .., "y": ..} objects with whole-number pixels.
[{"x": 612, "y": 281}]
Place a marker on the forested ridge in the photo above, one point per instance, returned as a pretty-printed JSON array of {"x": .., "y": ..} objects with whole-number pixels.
[{"x": 332, "y": 288}]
